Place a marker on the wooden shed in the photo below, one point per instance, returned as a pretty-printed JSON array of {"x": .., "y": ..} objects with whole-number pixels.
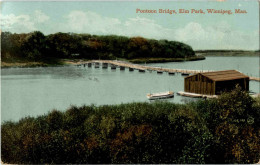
[{"x": 213, "y": 83}]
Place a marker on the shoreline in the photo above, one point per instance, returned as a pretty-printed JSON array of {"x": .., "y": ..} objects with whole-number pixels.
[
  {"x": 228, "y": 53},
  {"x": 163, "y": 60},
  {"x": 22, "y": 64},
  {"x": 64, "y": 62}
]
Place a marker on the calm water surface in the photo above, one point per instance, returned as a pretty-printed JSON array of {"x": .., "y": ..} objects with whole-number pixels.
[{"x": 36, "y": 91}]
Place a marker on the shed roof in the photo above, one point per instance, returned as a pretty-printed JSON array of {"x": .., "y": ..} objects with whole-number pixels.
[{"x": 224, "y": 75}]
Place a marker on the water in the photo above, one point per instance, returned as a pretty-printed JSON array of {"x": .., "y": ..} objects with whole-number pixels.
[
  {"x": 36, "y": 91},
  {"x": 247, "y": 65}
]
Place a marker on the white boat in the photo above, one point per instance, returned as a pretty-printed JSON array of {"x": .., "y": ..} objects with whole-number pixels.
[{"x": 162, "y": 95}]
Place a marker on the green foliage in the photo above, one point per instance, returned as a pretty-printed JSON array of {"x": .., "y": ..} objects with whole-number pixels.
[
  {"x": 233, "y": 120},
  {"x": 159, "y": 132},
  {"x": 36, "y": 46},
  {"x": 63, "y": 45},
  {"x": 11, "y": 46}
]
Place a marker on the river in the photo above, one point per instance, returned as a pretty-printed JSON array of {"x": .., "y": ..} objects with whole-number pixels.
[{"x": 36, "y": 91}]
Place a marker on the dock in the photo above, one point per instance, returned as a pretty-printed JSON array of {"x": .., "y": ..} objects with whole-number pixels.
[
  {"x": 255, "y": 95},
  {"x": 142, "y": 68},
  {"x": 254, "y": 78},
  {"x": 196, "y": 95}
]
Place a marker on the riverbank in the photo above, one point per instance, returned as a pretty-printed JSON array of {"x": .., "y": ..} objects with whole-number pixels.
[
  {"x": 239, "y": 53},
  {"x": 23, "y": 63},
  {"x": 162, "y": 60},
  {"x": 59, "y": 62}
]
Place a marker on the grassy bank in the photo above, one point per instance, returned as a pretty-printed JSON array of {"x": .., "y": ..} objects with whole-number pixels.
[
  {"x": 23, "y": 64},
  {"x": 227, "y": 53},
  {"x": 223, "y": 130},
  {"x": 20, "y": 62},
  {"x": 161, "y": 60},
  {"x": 57, "y": 62}
]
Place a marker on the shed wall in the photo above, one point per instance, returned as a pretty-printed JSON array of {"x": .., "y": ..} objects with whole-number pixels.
[
  {"x": 222, "y": 86},
  {"x": 199, "y": 84},
  {"x": 203, "y": 85}
]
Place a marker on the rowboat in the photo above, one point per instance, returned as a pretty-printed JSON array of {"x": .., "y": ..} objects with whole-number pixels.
[{"x": 162, "y": 95}]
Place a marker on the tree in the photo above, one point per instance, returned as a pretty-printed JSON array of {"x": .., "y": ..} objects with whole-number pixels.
[
  {"x": 34, "y": 46},
  {"x": 63, "y": 45},
  {"x": 11, "y": 45},
  {"x": 138, "y": 47},
  {"x": 237, "y": 131}
]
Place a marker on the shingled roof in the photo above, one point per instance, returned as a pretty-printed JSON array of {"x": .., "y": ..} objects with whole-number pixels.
[{"x": 224, "y": 75}]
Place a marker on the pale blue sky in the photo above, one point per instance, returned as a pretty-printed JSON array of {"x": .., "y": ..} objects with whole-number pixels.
[{"x": 201, "y": 31}]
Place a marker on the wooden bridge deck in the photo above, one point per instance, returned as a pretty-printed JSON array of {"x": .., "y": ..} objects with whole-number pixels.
[
  {"x": 254, "y": 78},
  {"x": 144, "y": 67}
]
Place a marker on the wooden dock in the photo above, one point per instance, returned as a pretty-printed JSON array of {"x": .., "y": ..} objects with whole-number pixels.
[
  {"x": 254, "y": 78},
  {"x": 196, "y": 95},
  {"x": 142, "y": 68}
]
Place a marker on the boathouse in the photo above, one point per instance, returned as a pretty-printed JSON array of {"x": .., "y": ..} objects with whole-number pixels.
[{"x": 213, "y": 83}]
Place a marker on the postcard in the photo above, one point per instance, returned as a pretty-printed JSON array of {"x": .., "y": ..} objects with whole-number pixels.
[{"x": 130, "y": 82}]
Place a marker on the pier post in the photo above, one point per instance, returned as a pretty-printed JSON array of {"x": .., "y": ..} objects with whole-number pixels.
[
  {"x": 113, "y": 67},
  {"x": 122, "y": 68}
]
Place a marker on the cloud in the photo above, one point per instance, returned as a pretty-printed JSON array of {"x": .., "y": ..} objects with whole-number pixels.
[
  {"x": 217, "y": 36},
  {"x": 40, "y": 17},
  {"x": 93, "y": 23},
  {"x": 145, "y": 27},
  {"x": 90, "y": 22},
  {"x": 22, "y": 23},
  {"x": 192, "y": 31}
]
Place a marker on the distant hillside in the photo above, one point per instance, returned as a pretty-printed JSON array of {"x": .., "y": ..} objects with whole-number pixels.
[{"x": 36, "y": 46}]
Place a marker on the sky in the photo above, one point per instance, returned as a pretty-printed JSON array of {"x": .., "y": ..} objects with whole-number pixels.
[{"x": 201, "y": 31}]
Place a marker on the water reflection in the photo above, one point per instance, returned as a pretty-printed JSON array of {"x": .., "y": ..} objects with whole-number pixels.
[{"x": 35, "y": 91}]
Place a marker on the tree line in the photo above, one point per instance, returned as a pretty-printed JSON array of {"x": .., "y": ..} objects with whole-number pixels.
[
  {"x": 37, "y": 46},
  {"x": 216, "y": 131}
]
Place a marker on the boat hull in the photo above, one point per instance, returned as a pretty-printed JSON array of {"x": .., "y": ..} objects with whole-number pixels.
[
  {"x": 196, "y": 95},
  {"x": 160, "y": 96}
]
